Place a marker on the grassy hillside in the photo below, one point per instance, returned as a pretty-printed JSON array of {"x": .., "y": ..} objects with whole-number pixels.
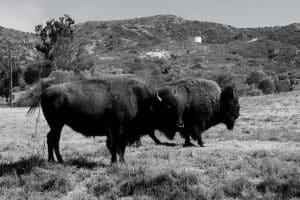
[
  {"x": 114, "y": 45},
  {"x": 163, "y": 48},
  {"x": 259, "y": 159},
  {"x": 21, "y": 45}
]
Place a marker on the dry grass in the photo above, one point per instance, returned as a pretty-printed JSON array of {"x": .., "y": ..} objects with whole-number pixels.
[{"x": 260, "y": 159}]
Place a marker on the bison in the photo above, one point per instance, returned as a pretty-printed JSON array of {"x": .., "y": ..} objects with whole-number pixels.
[
  {"x": 119, "y": 107},
  {"x": 205, "y": 105}
]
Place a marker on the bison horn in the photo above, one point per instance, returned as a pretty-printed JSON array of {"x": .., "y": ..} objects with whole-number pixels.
[{"x": 158, "y": 97}]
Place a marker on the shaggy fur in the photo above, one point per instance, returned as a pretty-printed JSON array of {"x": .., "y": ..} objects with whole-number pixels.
[
  {"x": 120, "y": 107},
  {"x": 205, "y": 105}
]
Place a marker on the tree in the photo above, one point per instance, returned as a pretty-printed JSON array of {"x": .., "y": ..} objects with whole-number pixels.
[
  {"x": 55, "y": 32},
  {"x": 32, "y": 74},
  {"x": 5, "y": 76}
]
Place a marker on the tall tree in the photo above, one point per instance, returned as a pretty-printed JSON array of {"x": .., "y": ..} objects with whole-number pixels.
[{"x": 54, "y": 32}]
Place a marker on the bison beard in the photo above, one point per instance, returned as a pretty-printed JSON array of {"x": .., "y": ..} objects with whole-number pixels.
[{"x": 120, "y": 107}]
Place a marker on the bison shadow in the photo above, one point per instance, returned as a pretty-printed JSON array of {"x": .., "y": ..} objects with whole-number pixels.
[
  {"x": 22, "y": 166},
  {"x": 81, "y": 162}
]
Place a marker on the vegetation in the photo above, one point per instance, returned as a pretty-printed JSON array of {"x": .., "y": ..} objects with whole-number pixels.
[
  {"x": 266, "y": 85},
  {"x": 259, "y": 159},
  {"x": 159, "y": 49},
  {"x": 255, "y": 77},
  {"x": 32, "y": 74},
  {"x": 56, "y": 37}
]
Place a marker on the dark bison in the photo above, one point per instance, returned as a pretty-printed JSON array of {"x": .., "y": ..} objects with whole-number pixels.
[
  {"x": 119, "y": 107},
  {"x": 205, "y": 105}
]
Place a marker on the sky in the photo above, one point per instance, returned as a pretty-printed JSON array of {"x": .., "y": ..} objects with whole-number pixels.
[{"x": 24, "y": 15}]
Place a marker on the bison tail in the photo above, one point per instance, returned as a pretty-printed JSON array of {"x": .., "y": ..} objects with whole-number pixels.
[
  {"x": 37, "y": 93},
  {"x": 32, "y": 108}
]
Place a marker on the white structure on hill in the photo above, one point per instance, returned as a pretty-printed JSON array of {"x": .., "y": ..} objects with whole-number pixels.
[{"x": 198, "y": 39}]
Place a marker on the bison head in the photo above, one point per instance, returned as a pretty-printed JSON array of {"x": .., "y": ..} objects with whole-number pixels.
[
  {"x": 170, "y": 112},
  {"x": 230, "y": 107}
]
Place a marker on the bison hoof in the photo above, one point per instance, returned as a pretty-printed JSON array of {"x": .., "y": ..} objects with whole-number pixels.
[
  {"x": 188, "y": 145},
  {"x": 167, "y": 144},
  {"x": 137, "y": 144},
  {"x": 201, "y": 145},
  {"x": 53, "y": 161}
]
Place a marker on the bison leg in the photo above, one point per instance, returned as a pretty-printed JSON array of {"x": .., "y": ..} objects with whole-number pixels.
[
  {"x": 56, "y": 147},
  {"x": 137, "y": 143},
  {"x": 121, "y": 143},
  {"x": 197, "y": 131},
  {"x": 53, "y": 143},
  {"x": 200, "y": 141},
  {"x": 154, "y": 138},
  {"x": 50, "y": 146},
  {"x": 121, "y": 151},
  {"x": 111, "y": 145},
  {"x": 187, "y": 140}
]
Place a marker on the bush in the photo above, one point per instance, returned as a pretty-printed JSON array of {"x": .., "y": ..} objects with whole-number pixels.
[
  {"x": 282, "y": 86},
  {"x": 61, "y": 76},
  {"x": 267, "y": 85},
  {"x": 254, "y": 77},
  {"x": 246, "y": 90},
  {"x": 85, "y": 75},
  {"x": 225, "y": 79},
  {"x": 32, "y": 74}
]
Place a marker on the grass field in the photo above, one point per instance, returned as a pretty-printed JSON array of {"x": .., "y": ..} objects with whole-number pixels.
[{"x": 259, "y": 159}]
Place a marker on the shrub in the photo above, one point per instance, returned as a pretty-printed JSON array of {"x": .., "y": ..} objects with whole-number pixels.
[
  {"x": 61, "y": 76},
  {"x": 245, "y": 90},
  {"x": 225, "y": 79},
  {"x": 267, "y": 85},
  {"x": 282, "y": 86},
  {"x": 32, "y": 74},
  {"x": 85, "y": 75},
  {"x": 254, "y": 77}
]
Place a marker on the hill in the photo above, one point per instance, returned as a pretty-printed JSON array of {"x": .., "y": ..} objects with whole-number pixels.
[
  {"x": 164, "y": 48},
  {"x": 21, "y": 44}
]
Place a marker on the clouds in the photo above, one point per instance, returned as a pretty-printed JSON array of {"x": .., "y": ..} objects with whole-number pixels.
[{"x": 25, "y": 14}]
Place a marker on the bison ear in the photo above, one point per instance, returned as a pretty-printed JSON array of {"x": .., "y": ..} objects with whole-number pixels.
[
  {"x": 174, "y": 91},
  {"x": 158, "y": 97}
]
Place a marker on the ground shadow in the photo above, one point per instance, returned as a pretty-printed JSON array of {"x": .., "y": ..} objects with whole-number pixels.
[
  {"x": 81, "y": 162},
  {"x": 168, "y": 144},
  {"x": 23, "y": 166}
]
